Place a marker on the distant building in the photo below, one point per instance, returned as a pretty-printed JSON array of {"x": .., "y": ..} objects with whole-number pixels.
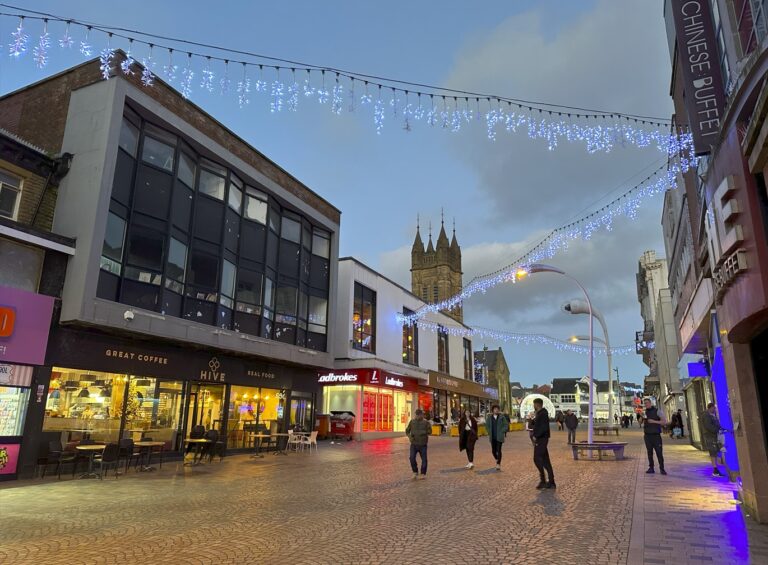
[{"x": 494, "y": 368}]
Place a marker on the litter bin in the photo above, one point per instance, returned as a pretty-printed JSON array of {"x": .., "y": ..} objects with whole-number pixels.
[
  {"x": 342, "y": 425},
  {"x": 322, "y": 425}
]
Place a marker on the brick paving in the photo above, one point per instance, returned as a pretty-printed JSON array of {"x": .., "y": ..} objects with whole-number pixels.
[{"x": 357, "y": 503}]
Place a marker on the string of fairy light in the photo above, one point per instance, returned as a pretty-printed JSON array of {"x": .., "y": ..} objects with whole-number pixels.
[{"x": 284, "y": 85}]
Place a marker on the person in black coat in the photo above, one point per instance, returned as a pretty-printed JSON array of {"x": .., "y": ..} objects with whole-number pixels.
[
  {"x": 541, "y": 441},
  {"x": 468, "y": 436}
]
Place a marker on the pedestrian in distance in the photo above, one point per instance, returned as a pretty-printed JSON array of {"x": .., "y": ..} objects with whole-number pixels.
[
  {"x": 711, "y": 426},
  {"x": 540, "y": 445},
  {"x": 571, "y": 422},
  {"x": 497, "y": 425},
  {"x": 468, "y": 437},
  {"x": 616, "y": 418},
  {"x": 653, "y": 423},
  {"x": 417, "y": 431},
  {"x": 681, "y": 422}
]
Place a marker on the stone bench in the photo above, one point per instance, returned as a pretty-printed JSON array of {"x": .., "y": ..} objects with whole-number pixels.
[
  {"x": 601, "y": 447},
  {"x": 605, "y": 430}
]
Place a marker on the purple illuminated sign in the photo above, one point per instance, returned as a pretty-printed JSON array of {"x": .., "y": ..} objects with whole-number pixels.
[{"x": 25, "y": 318}]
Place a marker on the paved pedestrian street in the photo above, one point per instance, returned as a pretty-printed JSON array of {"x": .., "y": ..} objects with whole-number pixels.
[{"x": 357, "y": 503}]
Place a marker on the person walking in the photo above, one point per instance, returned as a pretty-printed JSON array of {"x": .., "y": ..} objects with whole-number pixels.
[
  {"x": 540, "y": 445},
  {"x": 653, "y": 422},
  {"x": 616, "y": 418},
  {"x": 681, "y": 422},
  {"x": 711, "y": 425},
  {"x": 417, "y": 431},
  {"x": 571, "y": 422},
  {"x": 497, "y": 426},
  {"x": 468, "y": 437}
]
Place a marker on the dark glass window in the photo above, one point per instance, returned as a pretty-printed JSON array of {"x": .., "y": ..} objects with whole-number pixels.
[
  {"x": 209, "y": 216},
  {"x": 177, "y": 266},
  {"x": 159, "y": 147},
  {"x": 249, "y": 290},
  {"x": 145, "y": 248},
  {"x": 285, "y": 304},
  {"x": 291, "y": 230},
  {"x": 129, "y": 138},
  {"x": 112, "y": 249},
  {"x": 235, "y": 198},
  {"x": 364, "y": 319},
  {"x": 181, "y": 210},
  {"x": 187, "y": 169},
  {"x": 152, "y": 192},
  {"x": 212, "y": 180},
  {"x": 468, "y": 372},
  {"x": 203, "y": 269},
  {"x": 255, "y": 205},
  {"x": 410, "y": 341},
  {"x": 318, "y": 314},
  {"x": 443, "y": 364},
  {"x": 321, "y": 244},
  {"x": 228, "y": 277}
]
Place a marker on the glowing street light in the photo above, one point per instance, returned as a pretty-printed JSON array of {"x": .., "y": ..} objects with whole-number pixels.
[{"x": 541, "y": 268}]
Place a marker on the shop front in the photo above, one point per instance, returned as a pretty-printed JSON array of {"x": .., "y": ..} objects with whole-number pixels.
[
  {"x": 446, "y": 397},
  {"x": 25, "y": 320},
  {"x": 107, "y": 388},
  {"x": 381, "y": 401}
]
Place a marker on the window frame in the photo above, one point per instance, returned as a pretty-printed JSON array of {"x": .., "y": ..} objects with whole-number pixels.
[
  {"x": 468, "y": 361},
  {"x": 17, "y": 189},
  {"x": 359, "y": 336},
  {"x": 410, "y": 341},
  {"x": 443, "y": 350}
]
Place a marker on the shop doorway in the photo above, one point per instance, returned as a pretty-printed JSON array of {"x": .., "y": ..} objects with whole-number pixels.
[{"x": 205, "y": 406}]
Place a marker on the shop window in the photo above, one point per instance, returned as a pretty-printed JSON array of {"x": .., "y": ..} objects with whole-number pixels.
[
  {"x": 154, "y": 407},
  {"x": 13, "y": 409},
  {"x": 187, "y": 170},
  {"x": 253, "y": 411},
  {"x": 212, "y": 180},
  {"x": 301, "y": 411},
  {"x": 10, "y": 189},
  {"x": 20, "y": 265},
  {"x": 177, "y": 266},
  {"x": 467, "y": 359},
  {"x": 84, "y": 404},
  {"x": 442, "y": 350},
  {"x": 255, "y": 205},
  {"x": 364, "y": 319},
  {"x": 159, "y": 148},
  {"x": 410, "y": 341},
  {"x": 129, "y": 138},
  {"x": 235, "y": 197}
]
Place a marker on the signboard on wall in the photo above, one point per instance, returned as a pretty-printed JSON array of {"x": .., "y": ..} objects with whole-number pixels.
[
  {"x": 9, "y": 457},
  {"x": 699, "y": 59},
  {"x": 25, "y": 320},
  {"x": 373, "y": 377}
]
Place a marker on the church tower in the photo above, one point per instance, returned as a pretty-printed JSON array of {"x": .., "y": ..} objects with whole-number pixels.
[{"x": 436, "y": 270}]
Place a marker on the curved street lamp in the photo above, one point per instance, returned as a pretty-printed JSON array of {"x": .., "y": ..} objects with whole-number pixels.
[{"x": 542, "y": 268}]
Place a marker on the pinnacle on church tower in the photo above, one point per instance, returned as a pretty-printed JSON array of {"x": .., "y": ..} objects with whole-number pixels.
[{"x": 417, "y": 251}]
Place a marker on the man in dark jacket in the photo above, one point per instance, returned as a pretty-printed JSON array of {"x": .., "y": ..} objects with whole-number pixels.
[
  {"x": 497, "y": 426},
  {"x": 418, "y": 433},
  {"x": 541, "y": 441},
  {"x": 571, "y": 422},
  {"x": 653, "y": 422},
  {"x": 711, "y": 425}
]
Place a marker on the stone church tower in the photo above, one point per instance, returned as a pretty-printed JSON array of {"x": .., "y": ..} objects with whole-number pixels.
[{"x": 436, "y": 271}]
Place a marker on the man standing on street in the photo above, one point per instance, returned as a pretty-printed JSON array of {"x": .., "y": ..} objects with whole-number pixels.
[
  {"x": 541, "y": 442},
  {"x": 571, "y": 422},
  {"x": 497, "y": 426},
  {"x": 711, "y": 425},
  {"x": 418, "y": 433},
  {"x": 653, "y": 422}
]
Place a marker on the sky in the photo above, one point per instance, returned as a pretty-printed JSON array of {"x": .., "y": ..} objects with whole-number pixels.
[{"x": 503, "y": 194}]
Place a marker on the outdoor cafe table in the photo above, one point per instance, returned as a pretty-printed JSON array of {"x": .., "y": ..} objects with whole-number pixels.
[
  {"x": 198, "y": 443},
  {"x": 91, "y": 450},
  {"x": 146, "y": 446}
]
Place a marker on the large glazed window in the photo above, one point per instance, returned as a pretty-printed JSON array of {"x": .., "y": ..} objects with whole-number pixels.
[{"x": 364, "y": 319}]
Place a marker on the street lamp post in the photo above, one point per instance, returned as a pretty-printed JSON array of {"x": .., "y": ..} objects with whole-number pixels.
[
  {"x": 541, "y": 268},
  {"x": 576, "y": 338}
]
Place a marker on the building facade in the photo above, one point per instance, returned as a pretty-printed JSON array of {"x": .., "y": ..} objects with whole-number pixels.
[
  {"x": 436, "y": 271},
  {"x": 491, "y": 368},
  {"x": 383, "y": 371},
  {"x": 32, "y": 266},
  {"x": 651, "y": 278},
  {"x": 724, "y": 104},
  {"x": 203, "y": 273}
]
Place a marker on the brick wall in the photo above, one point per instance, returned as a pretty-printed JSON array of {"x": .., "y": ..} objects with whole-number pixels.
[{"x": 38, "y": 113}]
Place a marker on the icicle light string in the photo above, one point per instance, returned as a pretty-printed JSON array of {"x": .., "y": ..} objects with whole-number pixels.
[
  {"x": 540, "y": 121},
  {"x": 522, "y": 338},
  {"x": 627, "y": 205}
]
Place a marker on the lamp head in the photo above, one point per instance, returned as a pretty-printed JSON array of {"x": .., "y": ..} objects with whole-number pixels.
[{"x": 542, "y": 268}]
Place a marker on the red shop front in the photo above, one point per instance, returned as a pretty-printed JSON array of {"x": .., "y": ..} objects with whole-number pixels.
[{"x": 382, "y": 402}]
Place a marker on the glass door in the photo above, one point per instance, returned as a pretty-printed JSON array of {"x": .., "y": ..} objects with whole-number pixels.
[{"x": 205, "y": 406}]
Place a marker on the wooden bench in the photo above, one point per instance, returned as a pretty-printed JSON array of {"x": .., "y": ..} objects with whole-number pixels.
[
  {"x": 606, "y": 429},
  {"x": 601, "y": 447}
]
